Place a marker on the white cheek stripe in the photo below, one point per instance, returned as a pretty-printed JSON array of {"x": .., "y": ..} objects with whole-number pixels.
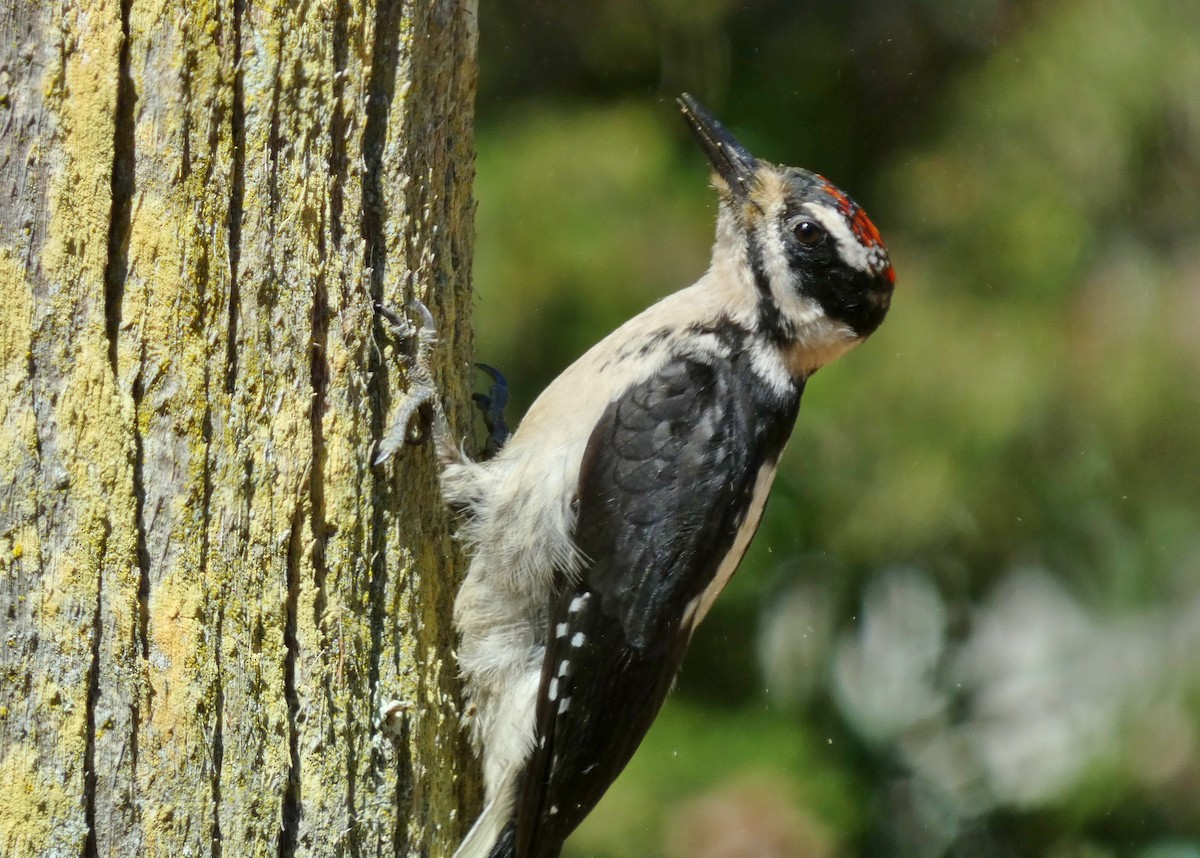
[
  {"x": 818, "y": 339},
  {"x": 797, "y": 308},
  {"x": 852, "y": 250}
]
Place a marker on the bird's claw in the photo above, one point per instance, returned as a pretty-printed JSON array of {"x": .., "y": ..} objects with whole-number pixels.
[
  {"x": 421, "y": 398},
  {"x": 492, "y": 405}
]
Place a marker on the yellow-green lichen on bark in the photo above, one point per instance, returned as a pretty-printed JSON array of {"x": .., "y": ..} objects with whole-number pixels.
[
  {"x": 33, "y": 800},
  {"x": 61, "y": 597},
  {"x": 214, "y": 590}
]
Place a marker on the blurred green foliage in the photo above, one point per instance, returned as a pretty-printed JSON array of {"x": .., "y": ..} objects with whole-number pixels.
[{"x": 1030, "y": 403}]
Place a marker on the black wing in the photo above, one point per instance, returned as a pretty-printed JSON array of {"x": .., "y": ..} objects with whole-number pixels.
[{"x": 664, "y": 487}]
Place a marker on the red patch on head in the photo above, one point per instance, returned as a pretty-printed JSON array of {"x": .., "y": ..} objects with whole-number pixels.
[
  {"x": 845, "y": 205},
  {"x": 864, "y": 230},
  {"x": 860, "y": 224}
]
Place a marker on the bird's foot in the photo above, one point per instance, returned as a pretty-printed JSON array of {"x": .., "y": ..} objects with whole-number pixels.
[
  {"x": 492, "y": 405},
  {"x": 422, "y": 396}
]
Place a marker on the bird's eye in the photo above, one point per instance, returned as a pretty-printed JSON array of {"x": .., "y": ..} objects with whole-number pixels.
[{"x": 809, "y": 233}]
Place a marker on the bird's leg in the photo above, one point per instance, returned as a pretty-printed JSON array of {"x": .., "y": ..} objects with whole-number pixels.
[
  {"x": 420, "y": 401},
  {"x": 492, "y": 405},
  {"x": 422, "y": 397}
]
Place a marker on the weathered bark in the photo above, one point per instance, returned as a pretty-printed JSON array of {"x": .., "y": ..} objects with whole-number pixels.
[{"x": 206, "y": 589}]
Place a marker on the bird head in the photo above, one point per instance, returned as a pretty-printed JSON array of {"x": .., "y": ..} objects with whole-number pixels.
[{"x": 810, "y": 251}]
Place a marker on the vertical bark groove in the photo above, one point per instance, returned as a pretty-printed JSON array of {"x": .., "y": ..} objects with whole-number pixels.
[
  {"x": 117, "y": 265},
  {"x": 274, "y": 142},
  {"x": 381, "y": 89},
  {"x": 218, "y": 741},
  {"x": 90, "y": 846},
  {"x": 404, "y": 785},
  {"x": 290, "y": 821},
  {"x": 139, "y": 507},
  {"x": 206, "y": 489},
  {"x": 142, "y": 622},
  {"x": 237, "y": 195},
  {"x": 320, "y": 381},
  {"x": 353, "y": 841},
  {"x": 338, "y": 162},
  {"x": 319, "y": 378},
  {"x": 337, "y": 123}
]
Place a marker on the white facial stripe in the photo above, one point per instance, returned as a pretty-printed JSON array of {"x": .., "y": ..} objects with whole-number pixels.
[
  {"x": 852, "y": 250},
  {"x": 818, "y": 339},
  {"x": 798, "y": 309}
]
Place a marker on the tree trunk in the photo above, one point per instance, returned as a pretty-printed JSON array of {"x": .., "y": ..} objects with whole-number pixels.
[{"x": 206, "y": 589}]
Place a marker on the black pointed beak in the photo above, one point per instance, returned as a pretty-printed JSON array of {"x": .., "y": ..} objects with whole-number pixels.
[{"x": 729, "y": 158}]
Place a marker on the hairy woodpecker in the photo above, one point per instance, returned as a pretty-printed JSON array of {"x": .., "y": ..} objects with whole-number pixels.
[{"x": 604, "y": 529}]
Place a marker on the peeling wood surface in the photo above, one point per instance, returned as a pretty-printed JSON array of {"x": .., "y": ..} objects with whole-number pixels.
[{"x": 206, "y": 591}]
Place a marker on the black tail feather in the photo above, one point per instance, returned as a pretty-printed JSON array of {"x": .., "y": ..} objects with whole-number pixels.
[{"x": 506, "y": 843}]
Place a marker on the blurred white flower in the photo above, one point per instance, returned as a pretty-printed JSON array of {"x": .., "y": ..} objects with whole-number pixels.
[
  {"x": 885, "y": 672},
  {"x": 795, "y": 639},
  {"x": 1051, "y": 685},
  {"x": 1039, "y": 692}
]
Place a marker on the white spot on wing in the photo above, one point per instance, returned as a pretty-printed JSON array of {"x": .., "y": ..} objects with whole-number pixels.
[
  {"x": 564, "y": 705},
  {"x": 560, "y": 631},
  {"x": 564, "y": 667},
  {"x": 553, "y": 692},
  {"x": 577, "y": 640}
]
